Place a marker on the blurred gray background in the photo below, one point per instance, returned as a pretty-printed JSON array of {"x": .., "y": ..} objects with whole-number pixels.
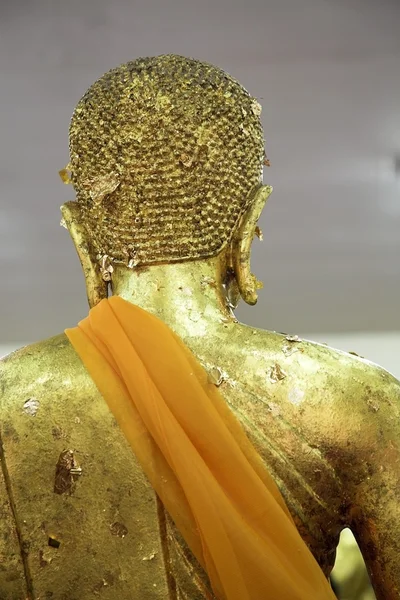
[{"x": 327, "y": 73}]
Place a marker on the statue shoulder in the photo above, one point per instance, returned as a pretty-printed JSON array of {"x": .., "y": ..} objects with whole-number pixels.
[
  {"x": 50, "y": 364},
  {"x": 371, "y": 392},
  {"x": 358, "y": 401},
  {"x": 346, "y": 391},
  {"x": 45, "y": 349}
]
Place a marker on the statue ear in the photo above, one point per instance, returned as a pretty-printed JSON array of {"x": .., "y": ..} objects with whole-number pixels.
[
  {"x": 241, "y": 246},
  {"x": 96, "y": 286}
]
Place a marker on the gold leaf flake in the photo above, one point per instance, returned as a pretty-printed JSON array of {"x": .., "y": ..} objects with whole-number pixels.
[
  {"x": 216, "y": 376},
  {"x": 256, "y": 107},
  {"x": 276, "y": 373},
  {"x": 289, "y": 349},
  {"x": 293, "y": 338},
  {"x": 259, "y": 233},
  {"x": 150, "y": 557},
  {"x": 65, "y": 175},
  {"x": 102, "y": 186}
]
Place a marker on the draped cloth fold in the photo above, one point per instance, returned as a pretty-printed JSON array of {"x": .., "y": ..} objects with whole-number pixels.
[{"x": 197, "y": 457}]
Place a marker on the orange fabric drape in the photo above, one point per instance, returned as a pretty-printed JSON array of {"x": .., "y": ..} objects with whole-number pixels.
[{"x": 197, "y": 457}]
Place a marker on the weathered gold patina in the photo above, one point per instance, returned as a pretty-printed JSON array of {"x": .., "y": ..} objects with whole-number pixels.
[{"x": 78, "y": 518}]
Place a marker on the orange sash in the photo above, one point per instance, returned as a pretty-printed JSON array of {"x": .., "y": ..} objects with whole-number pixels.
[{"x": 197, "y": 457}]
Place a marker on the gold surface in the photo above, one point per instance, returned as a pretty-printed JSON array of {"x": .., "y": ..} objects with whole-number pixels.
[{"x": 79, "y": 520}]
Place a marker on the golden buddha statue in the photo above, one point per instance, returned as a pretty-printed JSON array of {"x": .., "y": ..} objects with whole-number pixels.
[{"x": 166, "y": 158}]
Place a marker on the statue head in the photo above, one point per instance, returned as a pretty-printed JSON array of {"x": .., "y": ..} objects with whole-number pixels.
[{"x": 166, "y": 158}]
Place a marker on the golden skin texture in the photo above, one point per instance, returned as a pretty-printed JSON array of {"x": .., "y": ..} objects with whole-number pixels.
[{"x": 78, "y": 518}]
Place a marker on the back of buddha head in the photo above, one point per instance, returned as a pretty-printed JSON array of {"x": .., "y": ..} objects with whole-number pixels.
[{"x": 165, "y": 153}]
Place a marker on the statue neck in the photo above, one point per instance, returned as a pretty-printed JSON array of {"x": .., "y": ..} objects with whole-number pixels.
[{"x": 187, "y": 296}]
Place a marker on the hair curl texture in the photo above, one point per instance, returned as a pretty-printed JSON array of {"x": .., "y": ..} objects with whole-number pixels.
[{"x": 164, "y": 155}]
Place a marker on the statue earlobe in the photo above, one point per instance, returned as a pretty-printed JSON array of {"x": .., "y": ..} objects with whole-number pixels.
[
  {"x": 96, "y": 286},
  {"x": 241, "y": 246}
]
